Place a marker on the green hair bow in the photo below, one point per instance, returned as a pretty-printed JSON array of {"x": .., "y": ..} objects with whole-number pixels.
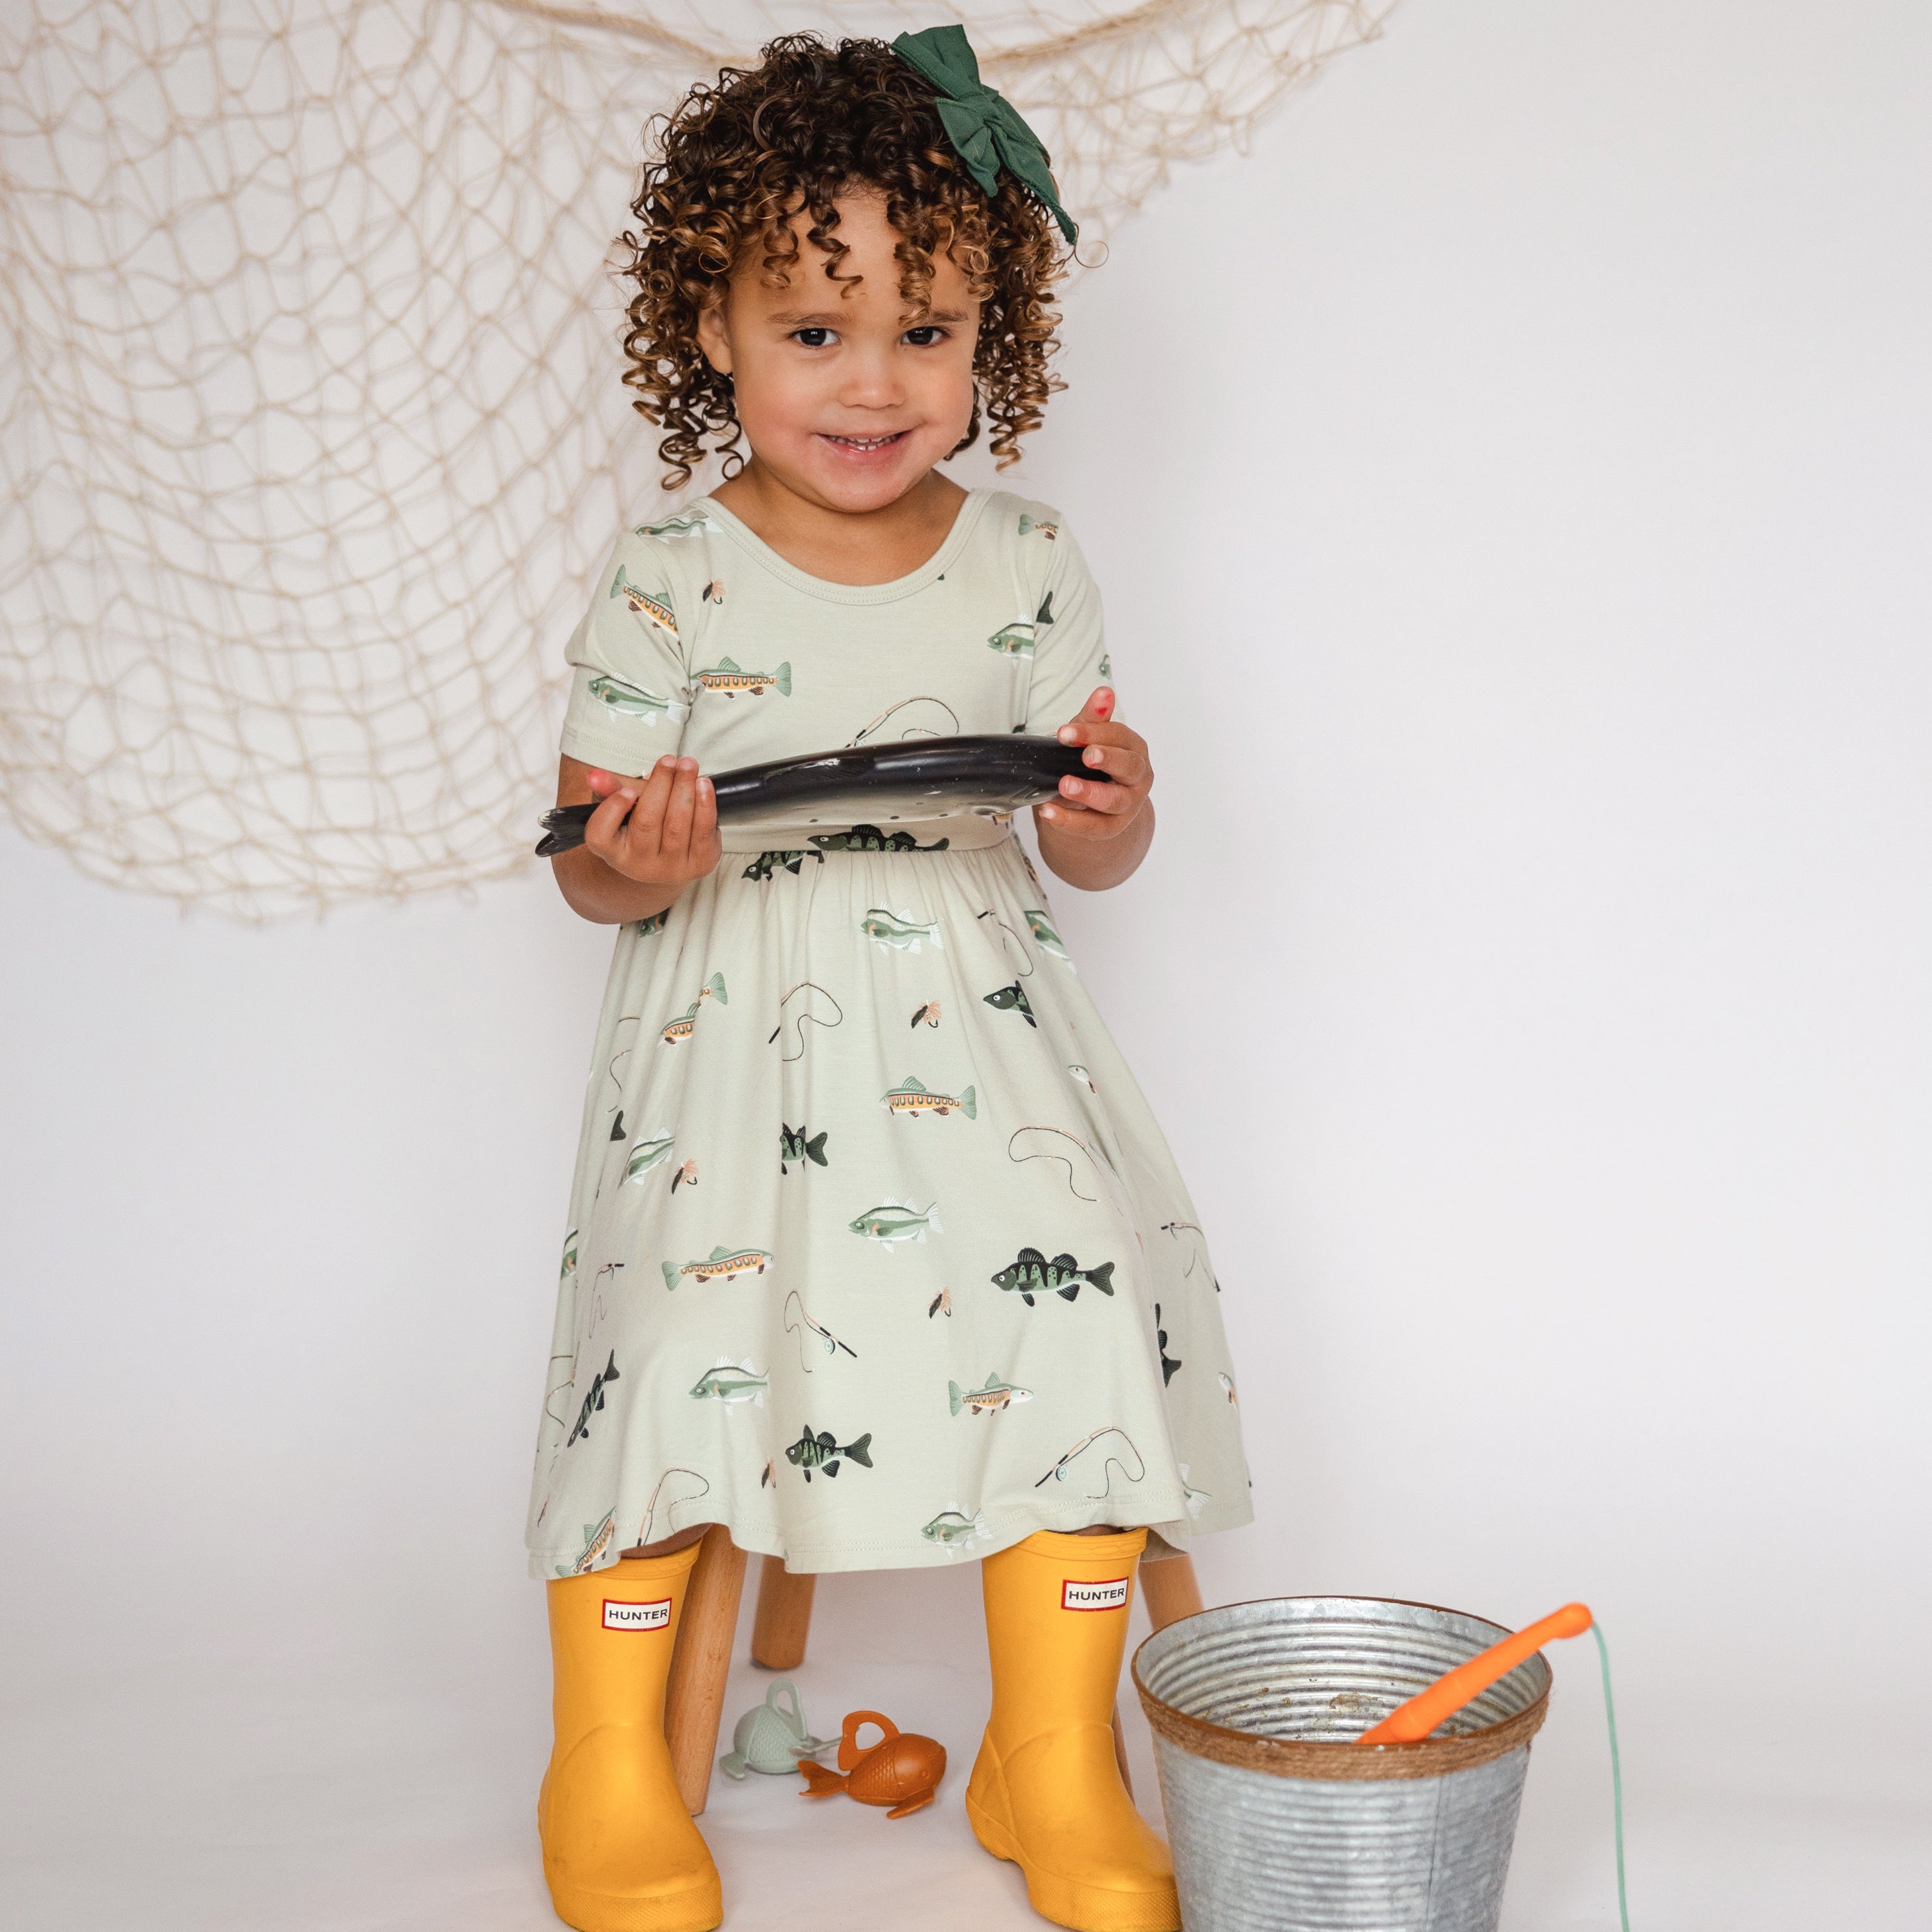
[{"x": 982, "y": 125}]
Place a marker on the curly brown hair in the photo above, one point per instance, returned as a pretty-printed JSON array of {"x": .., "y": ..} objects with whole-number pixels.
[{"x": 733, "y": 162}]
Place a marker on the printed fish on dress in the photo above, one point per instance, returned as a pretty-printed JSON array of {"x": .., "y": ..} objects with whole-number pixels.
[
  {"x": 648, "y": 1152},
  {"x": 821, "y": 1452},
  {"x": 791, "y": 860},
  {"x": 722, "y": 1265},
  {"x": 654, "y": 605},
  {"x": 1031, "y": 1273},
  {"x": 996, "y": 1396},
  {"x": 731, "y": 1382},
  {"x": 1045, "y": 937},
  {"x": 893, "y": 1221},
  {"x": 796, "y": 1150},
  {"x": 953, "y": 1527},
  {"x": 900, "y": 930},
  {"x": 726, "y": 677},
  {"x": 1011, "y": 1000},
  {"x": 1021, "y": 637},
  {"x": 684, "y": 524},
  {"x": 909, "y": 1099},
  {"x": 870, "y": 839},
  {"x": 594, "y": 1401},
  {"x": 633, "y": 701},
  {"x": 1168, "y": 1364},
  {"x": 598, "y": 1537},
  {"x": 686, "y": 1024}
]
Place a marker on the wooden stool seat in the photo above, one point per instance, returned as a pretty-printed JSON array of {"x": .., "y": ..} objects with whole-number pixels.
[{"x": 694, "y": 1701}]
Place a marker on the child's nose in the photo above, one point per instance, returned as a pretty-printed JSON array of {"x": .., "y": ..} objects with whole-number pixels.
[{"x": 872, "y": 381}]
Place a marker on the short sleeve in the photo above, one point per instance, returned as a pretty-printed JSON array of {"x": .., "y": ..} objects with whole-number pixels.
[
  {"x": 630, "y": 688},
  {"x": 1069, "y": 648}
]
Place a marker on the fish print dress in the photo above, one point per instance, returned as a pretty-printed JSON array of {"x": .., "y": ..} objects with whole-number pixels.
[{"x": 876, "y": 1253}]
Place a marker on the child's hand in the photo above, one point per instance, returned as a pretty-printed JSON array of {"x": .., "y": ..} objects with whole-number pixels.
[
  {"x": 1091, "y": 810},
  {"x": 671, "y": 834}
]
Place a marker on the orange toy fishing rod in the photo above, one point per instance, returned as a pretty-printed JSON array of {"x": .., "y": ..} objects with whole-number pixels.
[{"x": 1448, "y": 1695}]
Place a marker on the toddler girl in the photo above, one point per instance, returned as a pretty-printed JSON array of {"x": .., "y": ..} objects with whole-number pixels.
[{"x": 877, "y": 1256}]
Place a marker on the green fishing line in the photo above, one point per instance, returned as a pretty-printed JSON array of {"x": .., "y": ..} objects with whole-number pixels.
[{"x": 1616, "y": 1768}]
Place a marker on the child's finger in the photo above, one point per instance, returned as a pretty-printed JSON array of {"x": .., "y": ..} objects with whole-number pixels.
[
  {"x": 1079, "y": 820},
  {"x": 1096, "y": 795},
  {"x": 680, "y": 808},
  {"x": 1127, "y": 763},
  {"x": 604, "y": 829},
  {"x": 631, "y": 843},
  {"x": 706, "y": 848},
  {"x": 1097, "y": 710}
]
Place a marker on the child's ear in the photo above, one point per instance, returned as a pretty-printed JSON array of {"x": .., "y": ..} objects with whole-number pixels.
[{"x": 714, "y": 336}]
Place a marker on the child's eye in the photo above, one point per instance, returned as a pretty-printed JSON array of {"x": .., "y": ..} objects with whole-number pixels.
[
  {"x": 926, "y": 335},
  {"x": 812, "y": 338}
]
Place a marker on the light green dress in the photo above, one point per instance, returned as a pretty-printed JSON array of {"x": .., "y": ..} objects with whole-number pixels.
[{"x": 876, "y": 1254}]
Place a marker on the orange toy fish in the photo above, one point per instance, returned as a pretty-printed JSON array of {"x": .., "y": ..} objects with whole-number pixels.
[{"x": 902, "y": 1769}]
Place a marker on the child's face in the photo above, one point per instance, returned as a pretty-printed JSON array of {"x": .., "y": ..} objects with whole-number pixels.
[{"x": 843, "y": 396}]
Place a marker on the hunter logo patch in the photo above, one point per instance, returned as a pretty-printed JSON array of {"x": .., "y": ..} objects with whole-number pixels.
[
  {"x": 1111, "y": 1594},
  {"x": 637, "y": 1616}
]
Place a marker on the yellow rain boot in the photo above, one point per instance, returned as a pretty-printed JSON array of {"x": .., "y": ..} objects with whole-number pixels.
[
  {"x": 1046, "y": 1792},
  {"x": 619, "y": 1850}
]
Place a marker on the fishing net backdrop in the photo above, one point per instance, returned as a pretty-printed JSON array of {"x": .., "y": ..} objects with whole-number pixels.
[{"x": 311, "y": 425}]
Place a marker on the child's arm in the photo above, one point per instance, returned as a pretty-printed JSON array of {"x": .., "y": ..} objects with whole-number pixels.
[
  {"x": 632, "y": 868},
  {"x": 1093, "y": 836}
]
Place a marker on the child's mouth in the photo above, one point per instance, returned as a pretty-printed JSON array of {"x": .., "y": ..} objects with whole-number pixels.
[{"x": 863, "y": 446}]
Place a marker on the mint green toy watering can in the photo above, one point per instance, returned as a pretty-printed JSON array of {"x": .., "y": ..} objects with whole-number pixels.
[{"x": 771, "y": 1740}]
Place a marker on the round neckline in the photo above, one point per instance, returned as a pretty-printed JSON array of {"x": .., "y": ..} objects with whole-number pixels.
[{"x": 935, "y": 566}]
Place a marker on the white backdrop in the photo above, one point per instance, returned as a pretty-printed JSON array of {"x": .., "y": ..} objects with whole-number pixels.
[{"x": 1510, "y": 487}]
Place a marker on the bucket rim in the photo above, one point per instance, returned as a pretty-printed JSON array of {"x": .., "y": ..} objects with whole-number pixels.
[{"x": 1339, "y": 1760}]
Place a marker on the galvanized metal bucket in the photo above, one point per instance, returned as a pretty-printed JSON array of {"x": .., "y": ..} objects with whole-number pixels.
[{"x": 1278, "y": 1822}]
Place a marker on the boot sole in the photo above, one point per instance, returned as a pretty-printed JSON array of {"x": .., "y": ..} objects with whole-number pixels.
[
  {"x": 700, "y": 1910},
  {"x": 1081, "y": 1908}
]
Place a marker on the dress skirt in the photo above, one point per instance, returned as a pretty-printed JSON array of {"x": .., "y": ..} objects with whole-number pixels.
[{"x": 876, "y": 1254}]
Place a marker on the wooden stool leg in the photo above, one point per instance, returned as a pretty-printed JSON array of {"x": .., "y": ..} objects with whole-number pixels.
[
  {"x": 1170, "y": 1590},
  {"x": 784, "y": 1619},
  {"x": 694, "y": 1700}
]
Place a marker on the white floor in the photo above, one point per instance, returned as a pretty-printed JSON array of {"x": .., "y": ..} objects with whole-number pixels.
[{"x": 194, "y": 1804}]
